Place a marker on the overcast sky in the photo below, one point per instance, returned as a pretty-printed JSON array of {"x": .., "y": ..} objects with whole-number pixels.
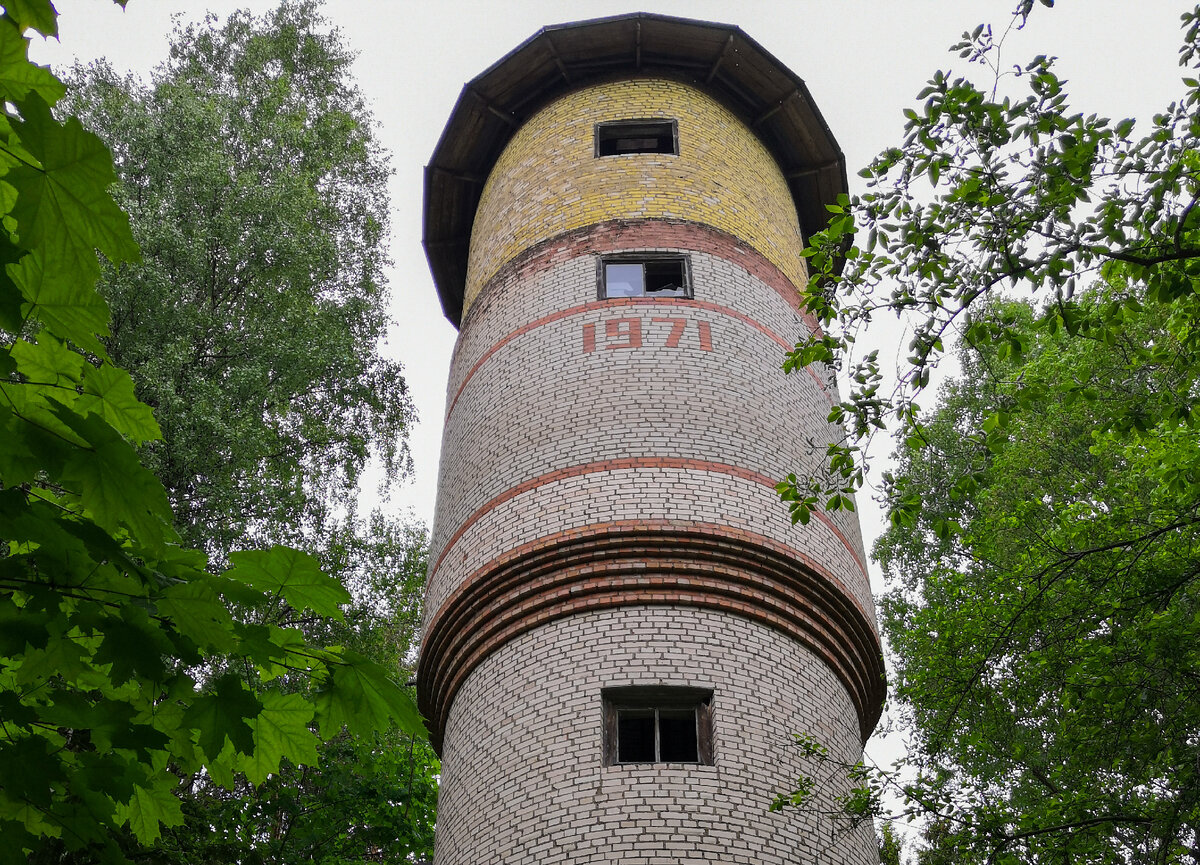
[{"x": 863, "y": 63}]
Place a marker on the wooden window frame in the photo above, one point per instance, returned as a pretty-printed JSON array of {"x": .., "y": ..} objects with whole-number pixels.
[
  {"x": 658, "y": 127},
  {"x": 644, "y": 258},
  {"x": 658, "y": 698}
]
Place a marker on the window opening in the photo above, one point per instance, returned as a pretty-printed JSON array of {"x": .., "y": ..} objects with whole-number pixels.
[
  {"x": 636, "y": 730},
  {"x": 636, "y": 136},
  {"x": 650, "y": 277},
  {"x": 658, "y": 725},
  {"x": 677, "y": 739}
]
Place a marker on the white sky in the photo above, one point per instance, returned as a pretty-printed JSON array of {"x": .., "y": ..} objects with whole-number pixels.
[{"x": 863, "y": 61}]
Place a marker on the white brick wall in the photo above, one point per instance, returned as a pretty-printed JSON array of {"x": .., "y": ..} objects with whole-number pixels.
[
  {"x": 539, "y": 404},
  {"x": 546, "y": 384},
  {"x": 523, "y": 779}
]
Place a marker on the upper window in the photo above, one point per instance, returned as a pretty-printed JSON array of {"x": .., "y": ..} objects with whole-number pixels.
[
  {"x": 658, "y": 725},
  {"x": 619, "y": 137},
  {"x": 664, "y": 276}
]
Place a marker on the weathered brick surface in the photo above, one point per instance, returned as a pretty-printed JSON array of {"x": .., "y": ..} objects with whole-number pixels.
[
  {"x": 523, "y": 779},
  {"x": 547, "y": 180},
  {"x": 529, "y": 404},
  {"x": 571, "y": 420}
]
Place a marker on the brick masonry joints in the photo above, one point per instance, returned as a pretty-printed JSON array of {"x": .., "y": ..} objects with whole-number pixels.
[{"x": 606, "y": 513}]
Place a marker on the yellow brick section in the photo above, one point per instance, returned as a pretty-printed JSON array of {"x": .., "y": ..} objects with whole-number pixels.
[{"x": 548, "y": 181}]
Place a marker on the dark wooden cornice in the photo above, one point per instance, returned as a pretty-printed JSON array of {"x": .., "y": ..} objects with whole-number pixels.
[{"x": 717, "y": 58}]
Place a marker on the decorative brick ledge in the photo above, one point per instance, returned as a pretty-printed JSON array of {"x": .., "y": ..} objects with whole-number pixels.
[{"x": 654, "y": 563}]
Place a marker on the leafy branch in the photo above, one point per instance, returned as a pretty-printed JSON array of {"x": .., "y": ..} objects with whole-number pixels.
[{"x": 117, "y": 647}]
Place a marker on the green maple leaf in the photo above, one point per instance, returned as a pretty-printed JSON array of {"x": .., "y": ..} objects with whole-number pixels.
[
  {"x": 237, "y": 592},
  {"x": 271, "y": 648},
  {"x": 35, "y": 525},
  {"x": 18, "y": 465},
  {"x": 48, "y": 361},
  {"x": 33, "y": 819},
  {"x": 150, "y": 808},
  {"x": 222, "y": 770},
  {"x": 60, "y": 657},
  {"x": 107, "y": 774},
  {"x": 140, "y": 738},
  {"x": 29, "y": 769},
  {"x": 34, "y": 428},
  {"x": 113, "y": 485},
  {"x": 134, "y": 645},
  {"x": 108, "y": 391},
  {"x": 364, "y": 700},
  {"x": 20, "y": 826},
  {"x": 11, "y": 318},
  {"x": 75, "y": 710},
  {"x": 281, "y": 730},
  {"x": 198, "y": 613},
  {"x": 19, "y": 77},
  {"x": 21, "y": 627},
  {"x": 37, "y": 14},
  {"x": 222, "y": 715},
  {"x": 64, "y": 203},
  {"x": 58, "y": 289},
  {"x": 109, "y": 722},
  {"x": 13, "y": 711},
  {"x": 181, "y": 563},
  {"x": 294, "y": 575}
]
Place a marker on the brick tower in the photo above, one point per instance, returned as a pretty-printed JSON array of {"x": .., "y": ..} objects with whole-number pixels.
[{"x": 623, "y": 627}]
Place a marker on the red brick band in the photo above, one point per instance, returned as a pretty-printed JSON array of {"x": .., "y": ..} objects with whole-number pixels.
[
  {"x": 686, "y": 463},
  {"x": 617, "y": 303},
  {"x": 651, "y": 563},
  {"x": 621, "y": 235}
]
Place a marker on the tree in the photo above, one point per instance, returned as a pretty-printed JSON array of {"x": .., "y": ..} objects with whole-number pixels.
[
  {"x": 988, "y": 192},
  {"x": 257, "y": 192},
  {"x": 891, "y": 845},
  {"x": 367, "y": 797},
  {"x": 1043, "y": 518},
  {"x": 1047, "y": 648},
  {"x": 104, "y": 618}
]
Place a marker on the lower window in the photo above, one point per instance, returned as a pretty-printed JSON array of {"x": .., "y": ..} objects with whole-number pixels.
[{"x": 658, "y": 725}]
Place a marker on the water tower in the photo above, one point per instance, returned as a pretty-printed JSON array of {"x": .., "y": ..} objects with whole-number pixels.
[{"x": 623, "y": 627}]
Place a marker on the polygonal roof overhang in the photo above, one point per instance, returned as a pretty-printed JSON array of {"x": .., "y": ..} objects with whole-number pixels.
[{"x": 717, "y": 58}]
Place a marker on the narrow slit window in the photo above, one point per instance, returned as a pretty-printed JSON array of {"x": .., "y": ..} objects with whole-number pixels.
[{"x": 636, "y": 136}]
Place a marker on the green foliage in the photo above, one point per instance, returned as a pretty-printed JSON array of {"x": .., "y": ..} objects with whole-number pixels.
[
  {"x": 891, "y": 845},
  {"x": 994, "y": 188},
  {"x": 257, "y": 192},
  {"x": 366, "y": 797},
  {"x": 1048, "y": 649},
  {"x": 1041, "y": 555},
  {"x": 108, "y": 624},
  {"x": 842, "y": 793}
]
